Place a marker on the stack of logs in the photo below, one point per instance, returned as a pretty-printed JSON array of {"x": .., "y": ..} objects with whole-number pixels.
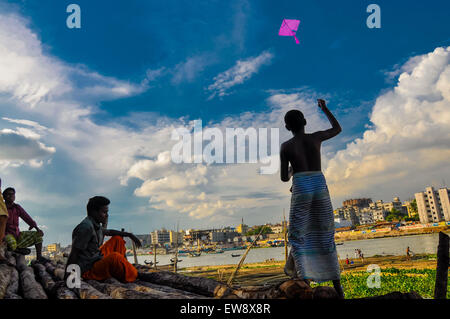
[{"x": 45, "y": 281}]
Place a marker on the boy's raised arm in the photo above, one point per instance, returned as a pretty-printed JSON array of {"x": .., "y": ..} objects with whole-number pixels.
[{"x": 335, "y": 126}]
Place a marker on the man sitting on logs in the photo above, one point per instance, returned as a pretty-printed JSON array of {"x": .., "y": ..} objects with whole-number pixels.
[
  {"x": 16, "y": 240},
  {"x": 3, "y": 220},
  {"x": 97, "y": 261}
]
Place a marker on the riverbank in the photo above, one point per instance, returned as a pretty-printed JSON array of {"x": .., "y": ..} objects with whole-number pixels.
[
  {"x": 397, "y": 274},
  {"x": 275, "y": 268},
  {"x": 358, "y": 235}
]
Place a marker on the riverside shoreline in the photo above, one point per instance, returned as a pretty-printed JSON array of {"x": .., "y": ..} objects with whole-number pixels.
[
  {"x": 254, "y": 274},
  {"x": 348, "y": 236}
]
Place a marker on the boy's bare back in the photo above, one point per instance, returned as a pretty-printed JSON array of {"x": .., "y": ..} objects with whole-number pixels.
[{"x": 303, "y": 150}]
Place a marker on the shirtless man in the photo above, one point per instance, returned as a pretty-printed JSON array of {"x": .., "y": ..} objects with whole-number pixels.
[{"x": 311, "y": 220}]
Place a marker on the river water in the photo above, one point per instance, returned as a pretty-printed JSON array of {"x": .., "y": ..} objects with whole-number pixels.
[{"x": 380, "y": 246}]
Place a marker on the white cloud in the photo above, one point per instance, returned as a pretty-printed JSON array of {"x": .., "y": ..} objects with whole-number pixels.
[
  {"x": 22, "y": 146},
  {"x": 219, "y": 192},
  {"x": 32, "y": 76},
  {"x": 188, "y": 70},
  {"x": 410, "y": 135},
  {"x": 238, "y": 74},
  {"x": 33, "y": 124}
]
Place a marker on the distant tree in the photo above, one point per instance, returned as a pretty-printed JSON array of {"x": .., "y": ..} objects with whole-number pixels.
[
  {"x": 413, "y": 207},
  {"x": 390, "y": 217},
  {"x": 257, "y": 229},
  {"x": 412, "y": 218}
]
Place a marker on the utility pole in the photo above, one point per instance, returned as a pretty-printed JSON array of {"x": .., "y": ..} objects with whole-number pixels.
[
  {"x": 154, "y": 255},
  {"x": 176, "y": 251}
]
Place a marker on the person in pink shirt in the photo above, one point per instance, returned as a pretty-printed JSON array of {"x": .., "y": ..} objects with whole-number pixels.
[
  {"x": 3, "y": 220},
  {"x": 15, "y": 239}
]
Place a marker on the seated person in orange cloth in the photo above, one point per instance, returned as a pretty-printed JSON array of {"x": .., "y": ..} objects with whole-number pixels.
[{"x": 97, "y": 261}]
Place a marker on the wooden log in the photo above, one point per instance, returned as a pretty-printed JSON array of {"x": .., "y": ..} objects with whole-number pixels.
[
  {"x": 11, "y": 258},
  {"x": 44, "y": 277},
  {"x": 117, "y": 291},
  {"x": 63, "y": 292},
  {"x": 440, "y": 287},
  {"x": 272, "y": 292},
  {"x": 56, "y": 271},
  {"x": 13, "y": 289},
  {"x": 30, "y": 287},
  {"x": 5, "y": 277},
  {"x": 161, "y": 292},
  {"x": 167, "y": 289},
  {"x": 296, "y": 289},
  {"x": 86, "y": 291},
  {"x": 198, "y": 285},
  {"x": 56, "y": 289}
]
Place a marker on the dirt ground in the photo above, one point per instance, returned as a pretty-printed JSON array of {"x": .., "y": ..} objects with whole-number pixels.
[{"x": 267, "y": 273}]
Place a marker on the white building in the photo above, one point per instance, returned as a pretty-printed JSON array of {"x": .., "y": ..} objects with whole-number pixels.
[
  {"x": 433, "y": 206},
  {"x": 365, "y": 216},
  {"x": 160, "y": 236}
]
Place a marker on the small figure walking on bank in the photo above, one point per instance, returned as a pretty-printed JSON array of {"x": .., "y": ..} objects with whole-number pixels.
[
  {"x": 361, "y": 255},
  {"x": 408, "y": 253}
]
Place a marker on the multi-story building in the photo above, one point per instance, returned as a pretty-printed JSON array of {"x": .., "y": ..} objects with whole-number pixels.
[
  {"x": 277, "y": 229},
  {"x": 53, "y": 248},
  {"x": 352, "y": 214},
  {"x": 223, "y": 235},
  {"x": 378, "y": 214},
  {"x": 395, "y": 204},
  {"x": 360, "y": 202},
  {"x": 365, "y": 216},
  {"x": 433, "y": 206},
  {"x": 160, "y": 236},
  {"x": 176, "y": 237},
  {"x": 445, "y": 202},
  {"x": 242, "y": 228},
  {"x": 145, "y": 239}
]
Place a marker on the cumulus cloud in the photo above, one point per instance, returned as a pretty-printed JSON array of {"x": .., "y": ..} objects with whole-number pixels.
[
  {"x": 32, "y": 76},
  {"x": 238, "y": 74},
  {"x": 22, "y": 146},
  {"x": 409, "y": 138},
  {"x": 217, "y": 191}
]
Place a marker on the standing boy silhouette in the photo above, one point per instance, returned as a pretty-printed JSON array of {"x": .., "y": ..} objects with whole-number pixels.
[{"x": 311, "y": 220}]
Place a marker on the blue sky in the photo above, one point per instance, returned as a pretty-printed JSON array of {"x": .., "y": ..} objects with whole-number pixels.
[{"x": 112, "y": 91}]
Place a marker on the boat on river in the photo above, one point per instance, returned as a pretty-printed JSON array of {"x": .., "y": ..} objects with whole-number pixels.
[{"x": 194, "y": 254}]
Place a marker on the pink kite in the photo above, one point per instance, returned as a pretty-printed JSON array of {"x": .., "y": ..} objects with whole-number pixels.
[{"x": 289, "y": 27}]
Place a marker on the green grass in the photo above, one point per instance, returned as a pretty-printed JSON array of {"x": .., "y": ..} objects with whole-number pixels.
[{"x": 392, "y": 279}]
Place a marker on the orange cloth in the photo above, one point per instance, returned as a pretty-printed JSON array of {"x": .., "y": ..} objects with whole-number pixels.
[{"x": 113, "y": 264}]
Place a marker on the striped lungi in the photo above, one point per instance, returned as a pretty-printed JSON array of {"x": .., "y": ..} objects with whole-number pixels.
[
  {"x": 311, "y": 228},
  {"x": 26, "y": 239}
]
